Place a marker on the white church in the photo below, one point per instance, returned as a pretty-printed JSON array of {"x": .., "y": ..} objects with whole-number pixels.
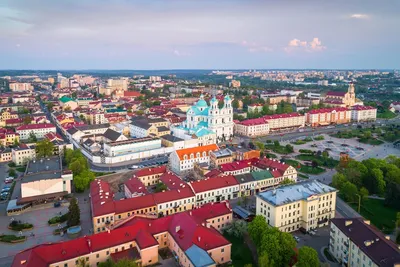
[{"x": 210, "y": 124}]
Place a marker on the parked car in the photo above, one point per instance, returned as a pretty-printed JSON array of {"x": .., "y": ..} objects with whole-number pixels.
[
  {"x": 359, "y": 148},
  {"x": 133, "y": 167},
  {"x": 345, "y": 145},
  {"x": 9, "y": 180},
  {"x": 296, "y": 238},
  {"x": 312, "y": 232}
]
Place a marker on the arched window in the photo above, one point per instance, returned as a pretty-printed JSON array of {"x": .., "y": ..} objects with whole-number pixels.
[
  {"x": 185, "y": 157},
  {"x": 204, "y": 154},
  {"x": 191, "y": 156},
  {"x": 198, "y": 155}
]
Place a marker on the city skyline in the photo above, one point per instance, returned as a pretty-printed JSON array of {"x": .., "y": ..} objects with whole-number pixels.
[{"x": 178, "y": 34}]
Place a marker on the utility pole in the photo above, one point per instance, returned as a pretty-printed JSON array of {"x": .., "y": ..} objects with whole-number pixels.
[{"x": 359, "y": 202}]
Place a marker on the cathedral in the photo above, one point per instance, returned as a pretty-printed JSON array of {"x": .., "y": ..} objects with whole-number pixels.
[
  {"x": 202, "y": 119},
  {"x": 341, "y": 99}
]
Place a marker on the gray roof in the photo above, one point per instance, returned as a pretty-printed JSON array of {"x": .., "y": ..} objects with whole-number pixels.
[
  {"x": 295, "y": 192},
  {"x": 162, "y": 129},
  {"x": 226, "y": 152},
  {"x": 111, "y": 135},
  {"x": 244, "y": 178},
  {"x": 72, "y": 131},
  {"x": 92, "y": 126},
  {"x": 155, "y": 120},
  {"x": 43, "y": 165},
  {"x": 141, "y": 124},
  {"x": 171, "y": 138}
]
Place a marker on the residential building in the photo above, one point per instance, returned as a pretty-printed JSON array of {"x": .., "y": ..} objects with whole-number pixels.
[
  {"x": 68, "y": 103},
  {"x": 20, "y": 87},
  {"x": 255, "y": 108},
  {"x": 234, "y": 83},
  {"x": 309, "y": 205},
  {"x": 126, "y": 147},
  {"x": 327, "y": 116},
  {"x": 8, "y": 137},
  {"x": 146, "y": 127},
  {"x": 192, "y": 236},
  {"x": 39, "y": 130},
  {"x": 150, "y": 176},
  {"x": 236, "y": 167},
  {"x": 216, "y": 189},
  {"x": 220, "y": 157},
  {"x": 363, "y": 113},
  {"x": 201, "y": 119},
  {"x": 252, "y": 127},
  {"x": 22, "y": 154},
  {"x": 133, "y": 187},
  {"x": 155, "y": 79},
  {"x": 285, "y": 121},
  {"x": 5, "y": 155},
  {"x": 182, "y": 160},
  {"x": 354, "y": 242}
]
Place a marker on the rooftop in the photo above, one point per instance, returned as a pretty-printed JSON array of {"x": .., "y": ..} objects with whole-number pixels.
[
  {"x": 382, "y": 252},
  {"x": 44, "y": 165},
  {"x": 295, "y": 192}
]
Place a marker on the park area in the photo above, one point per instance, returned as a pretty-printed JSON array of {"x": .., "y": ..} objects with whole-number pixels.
[
  {"x": 381, "y": 216},
  {"x": 240, "y": 252}
]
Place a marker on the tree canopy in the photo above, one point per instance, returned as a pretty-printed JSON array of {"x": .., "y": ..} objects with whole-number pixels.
[
  {"x": 44, "y": 148},
  {"x": 79, "y": 166},
  {"x": 308, "y": 257}
]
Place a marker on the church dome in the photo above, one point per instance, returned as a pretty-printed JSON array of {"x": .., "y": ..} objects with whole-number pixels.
[
  {"x": 227, "y": 98},
  {"x": 201, "y": 103}
]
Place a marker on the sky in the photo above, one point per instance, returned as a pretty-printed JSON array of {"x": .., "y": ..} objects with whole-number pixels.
[{"x": 199, "y": 34}]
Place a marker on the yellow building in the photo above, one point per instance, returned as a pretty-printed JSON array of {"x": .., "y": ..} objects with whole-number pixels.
[{"x": 307, "y": 205}]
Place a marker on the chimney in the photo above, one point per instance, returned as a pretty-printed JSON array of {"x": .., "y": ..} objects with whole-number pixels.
[
  {"x": 190, "y": 213},
  {"x": 177, "y": 228},
  {"x": 108, "y": 230},
  {"x": 198, "y": 238},
  {"x": 348, "y": 222},
  {"x": 89, "y": 244}
]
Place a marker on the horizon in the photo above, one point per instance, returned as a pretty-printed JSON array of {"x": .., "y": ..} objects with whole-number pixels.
[{"x": 189, "y": 34}]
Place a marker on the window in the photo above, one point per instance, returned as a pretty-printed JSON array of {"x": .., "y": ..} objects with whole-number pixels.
[
  {"x": 97, "y": 255},
  {"x": 222, "y": 250}
]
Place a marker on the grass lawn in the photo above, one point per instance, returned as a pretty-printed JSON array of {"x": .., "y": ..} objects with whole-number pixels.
[
  {"x": 299, "y": 142},
  {"x": 97, "y": 174},
  {"x": 319, "y": 138},
  {"x": 240, "y": 253},
  {"x": 277, "y": 149},
  {"x": 311, "y": 170},
  {"x": 385, "y": 115},
  {"x": 271, "y": 155},
  {"x": 292, "y": 162},
  {"x": 326, "y": 162},
  {"x": 303, "y": 176},
  {"x": 381, "y": 216},
  {"x": 21, "y": 169},
  {"x": 371, "y": 141}
]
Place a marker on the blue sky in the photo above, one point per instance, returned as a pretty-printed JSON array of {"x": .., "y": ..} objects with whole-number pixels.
[{"x": 199, "y": 34}]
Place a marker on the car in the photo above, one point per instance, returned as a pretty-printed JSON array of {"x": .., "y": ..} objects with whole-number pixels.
[
  {"x": 345, "y": 145},
  {"x": 312, "y": 232},
  {"x": 328, "y": 149},
  {"x": 329, "y": 142},
  {"x": 133, "y": 167},
  {"x": 314, "y": 145},
  {"x": 359, "y": 148},
  {"x": 9, "y": 180},
  {"x": 296, "y": 238}
]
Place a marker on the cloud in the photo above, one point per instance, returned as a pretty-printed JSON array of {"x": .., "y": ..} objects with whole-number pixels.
[
  {"x": 359, "y": 16},
  {"x": 314, "y": 45},
  {"x": 180, "y": 53},
  {"x": 253, "y": 47}
]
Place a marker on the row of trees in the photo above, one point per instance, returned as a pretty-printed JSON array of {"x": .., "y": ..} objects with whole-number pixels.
[
  {"x": 79, "y": 166},
  {"x": 276, "y": 248},
  {"x": 371, "y": 176}
]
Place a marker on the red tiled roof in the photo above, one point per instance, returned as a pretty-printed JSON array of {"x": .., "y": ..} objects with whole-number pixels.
[
  {"x": 359, "y": 107},
  {"x": 251, "y": 122},
  {"x": 101, "y": 198},
  {"x": 151, "y": 171},
  {"x": 211, "y": 210},
  {"x": 213, "y": 183},
  {"x": 35, "y": 126},
  {"x": 53, "y": 136},
  {"x": 131, "y": 94},
  {"x": 332, "y": 101},
  {"x": 136, "y": 186},
  {"x": 172, "y": 181},
  {"x": 213, "y": 173},
  {"x": 172, "y": 195},
  {"x": 333, "y": 93},
  {"x": 275, "y": 166},
  {"x": 282, "y": 116},
  {"x": 328, "y": 110},
  {"x": 137, "y": 203},
  {"x": 12, "y": 121},
  {"x": 236, "y": 165}
]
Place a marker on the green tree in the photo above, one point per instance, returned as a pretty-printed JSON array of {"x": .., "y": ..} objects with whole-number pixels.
[
  {"x": 32, "y": 137},
  {"x": 256, "y": 229},
  {"x": 237, "y": 228},
  {"x": 289, "y": 148},
  {"x": 287, "y": 181},
  {"x": 83, "y": 180},
  {"x": 377, "y": 181},
  {"x": 120, "y": 263},
  {"x": 364, "y": 193},
  {"x": 235, "y": 104},
  {"x": 349, "y": 191},
  {"x": 160, "y": 187},
  {"x": 11, "y": 172},
  {"x": 44, "y": 149},
  {"x": 27, "y": 120},
  {"x": 83, "y": 263},
  {"x": 16, "y": 142},
  {"x": 308, "y": 257},
  {"x": 392, "y": 195},
  {"x": 325, "y": 154},
  {"x": 276, "y": 143},
  {"x": 74, "y": 213},
  {"x": 263, "y": 260},
  {"x": 338, "y": 180},
  {"x": 260, "y": 146}
]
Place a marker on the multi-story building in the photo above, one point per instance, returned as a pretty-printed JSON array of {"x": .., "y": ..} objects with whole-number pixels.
[
  {"x": 236, "y": 167},
  {"x": 20, "y": 87},
  {"x": 150, "y": 176},
  {"x": 182, "y": 160},
  {"x": 363, "y": 113},
  {"x": 133, "y": 187},
  {"x": 39, "y": 130},
  {"x": 155, "y": 78},
  {"x": 130, "y": 146},
  {"x": 68, "y": 103},
  {"x": 211, "y": 190},
  {"x": 22, "y": 154},
  {"x": 192, "y": 236},
  {"x": 327, "y": 116},
  {"x": 8, "y": 137},
  {"x": 234, "y": 83},
  {"x": 341, "y": 99},
  {"x": 220, "y": 157},
  {"x": 97, "y": 118},
  {"x": 252, "y": 127},
  {"x": 118, "y": 84},
  {"x": 354, "y": 242},
  {"x": 307, "y": 205},
  {"x": 285, "y": 121},
  {"x": 145, "y": 127}
]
